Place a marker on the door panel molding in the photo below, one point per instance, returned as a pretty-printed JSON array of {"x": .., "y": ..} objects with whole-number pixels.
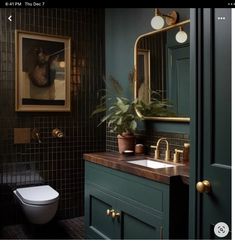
[{"x": 223, "y": 166}]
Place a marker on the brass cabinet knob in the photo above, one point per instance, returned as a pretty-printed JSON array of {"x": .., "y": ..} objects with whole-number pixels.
[
  {"x": 109, "y": 212},
  {"x": 115, "y": 214},
  {"x": 204, "y": 186}
]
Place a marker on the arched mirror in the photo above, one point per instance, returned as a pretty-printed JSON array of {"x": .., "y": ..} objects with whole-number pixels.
[{"x": 162, "y": 60}]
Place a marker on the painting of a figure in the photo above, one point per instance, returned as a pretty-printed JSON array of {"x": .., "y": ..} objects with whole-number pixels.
[
  {"x": 43, "y": 71},
  {"x": 44, "y": 75},
  {"x": 39, "y": 66}
]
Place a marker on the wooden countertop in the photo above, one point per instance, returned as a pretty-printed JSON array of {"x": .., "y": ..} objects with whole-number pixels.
[{"x": 118, "y": 162}]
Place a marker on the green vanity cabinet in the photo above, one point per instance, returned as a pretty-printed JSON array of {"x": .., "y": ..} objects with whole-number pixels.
[
  {"x": 140, "y": 206},
  {"x": 133, "y": 223}
]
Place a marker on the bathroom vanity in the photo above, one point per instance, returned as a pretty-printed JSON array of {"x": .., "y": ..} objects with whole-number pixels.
[{"x": 129, "y": 201}]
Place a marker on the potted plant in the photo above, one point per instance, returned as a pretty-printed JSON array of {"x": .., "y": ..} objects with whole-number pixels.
[{"x": 120, "y": 114}]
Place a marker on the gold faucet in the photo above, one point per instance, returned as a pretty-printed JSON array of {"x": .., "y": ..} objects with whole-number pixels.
[
  {"x": 157, "y": 151},
  {"x": 35, "y": 134}
]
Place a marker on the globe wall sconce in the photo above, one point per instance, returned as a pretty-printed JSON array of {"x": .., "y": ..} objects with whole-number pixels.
[
  {"x": 171, "y": 18},
  {"x": 181, "y": 36},
  {"x": 158, "y": 21}
]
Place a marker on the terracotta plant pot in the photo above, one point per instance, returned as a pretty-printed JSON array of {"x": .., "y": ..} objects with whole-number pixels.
[{"x": 126, "y": 141}]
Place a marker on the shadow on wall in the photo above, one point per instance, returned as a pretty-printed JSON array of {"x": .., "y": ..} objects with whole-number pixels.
[{"x": 20, "y": 174}]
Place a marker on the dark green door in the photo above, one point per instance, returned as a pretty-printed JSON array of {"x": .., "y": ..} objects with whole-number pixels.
[
  {"x": 211, "y": 127},
  {"x": 178, "y": 74}
]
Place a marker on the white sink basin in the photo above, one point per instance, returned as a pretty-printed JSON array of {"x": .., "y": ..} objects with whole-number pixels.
[{"x": 150, "y": 163}]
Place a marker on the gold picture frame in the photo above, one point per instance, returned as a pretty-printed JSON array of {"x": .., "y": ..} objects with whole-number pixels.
[{"x": 42, "y": 72}]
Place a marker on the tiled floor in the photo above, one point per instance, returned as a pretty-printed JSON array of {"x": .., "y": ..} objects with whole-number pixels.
[{"x": 62, "y": 229}]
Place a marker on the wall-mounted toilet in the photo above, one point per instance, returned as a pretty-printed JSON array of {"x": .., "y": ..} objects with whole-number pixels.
[{"x": 39, "y": 203}]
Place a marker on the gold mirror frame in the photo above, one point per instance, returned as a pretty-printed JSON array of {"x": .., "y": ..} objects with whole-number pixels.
[{"x": 155, "y": 118}]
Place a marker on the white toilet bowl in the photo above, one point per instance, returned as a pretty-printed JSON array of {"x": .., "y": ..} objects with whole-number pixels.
[{"x": 39, "y": 203}]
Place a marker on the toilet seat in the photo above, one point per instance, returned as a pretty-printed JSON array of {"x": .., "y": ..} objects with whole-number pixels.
[{"x": 37, "y": 195}]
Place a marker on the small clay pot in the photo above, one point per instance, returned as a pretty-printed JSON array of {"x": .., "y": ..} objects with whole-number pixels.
[{"x": 139, "y": 149}]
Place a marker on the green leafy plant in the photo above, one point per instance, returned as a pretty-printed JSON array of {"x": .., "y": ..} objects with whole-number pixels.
[
  {"x": 120, "y": 116},
  {"x": 120, "y": 112},
  {"x": 157, "y": 107}
]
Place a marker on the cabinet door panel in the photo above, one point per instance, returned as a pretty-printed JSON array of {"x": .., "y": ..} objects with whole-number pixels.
[
  {"x": 133, "y": 228},
  {"x": 138, "y": 224},
  {"x": 99, "y": 221},
  {"x": 98, "y": 224}
]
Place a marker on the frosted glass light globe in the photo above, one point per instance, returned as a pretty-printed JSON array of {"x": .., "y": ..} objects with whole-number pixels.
[
  {"x": 62, "y": 64},
  {"x": 157, "y": 22},
  {"x": 181, "y": 36}
]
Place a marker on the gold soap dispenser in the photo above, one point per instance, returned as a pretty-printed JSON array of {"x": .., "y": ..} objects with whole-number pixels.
[{"x": 186, "y": 152}]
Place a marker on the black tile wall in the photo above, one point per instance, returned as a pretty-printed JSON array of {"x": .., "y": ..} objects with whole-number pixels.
[
  {"x": 57, "y": 162},
  {"x": 111, "y": 141}
]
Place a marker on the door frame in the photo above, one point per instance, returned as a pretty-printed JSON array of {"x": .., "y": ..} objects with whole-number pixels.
[{"x": 196, "y": 80}]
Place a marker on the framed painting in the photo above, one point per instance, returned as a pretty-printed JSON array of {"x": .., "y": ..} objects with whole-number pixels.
[{"x": 42, "y": 72}]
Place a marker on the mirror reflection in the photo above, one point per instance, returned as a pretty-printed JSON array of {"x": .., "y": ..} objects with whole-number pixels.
[{"x": 162, "y": 60}]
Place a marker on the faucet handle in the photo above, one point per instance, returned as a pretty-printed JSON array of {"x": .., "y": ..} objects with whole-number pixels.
[
  {"x": 57, "y": 133},
  {"x": 157, "y": 152},
  {"x": 176, "y": 157}
]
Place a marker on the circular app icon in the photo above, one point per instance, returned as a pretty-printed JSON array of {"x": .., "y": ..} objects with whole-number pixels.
[{"x": 221, "y": 229}]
